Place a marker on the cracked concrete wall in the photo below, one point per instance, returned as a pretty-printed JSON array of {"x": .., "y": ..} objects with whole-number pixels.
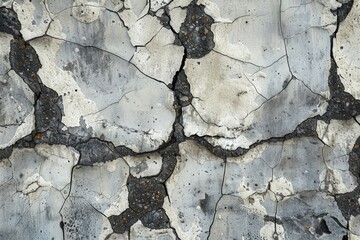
[{"x": 179, "y": 119}]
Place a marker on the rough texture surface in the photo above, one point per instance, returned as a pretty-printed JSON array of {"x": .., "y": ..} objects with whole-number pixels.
[{"x": 184, "y": 119}]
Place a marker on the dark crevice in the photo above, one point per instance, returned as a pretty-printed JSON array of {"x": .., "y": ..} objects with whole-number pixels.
[
  {"x": 25, "y": 62},
  {"x": 305, "y": 129},
  {"x": 217, "y": 150},
  {"x": 342, "y": 12},
  {"x": 66, "y": 198},
  {"x": 9, "y": 22},
  {"x": 339, "y": 223},
  {"x": 342, "y": 105},
  {"x": 322, "y": 228},
  {"x": 146, "y": 195},
  {"x": 218, "y": 201},
  {"x": 5, "y": 152},
  {"x": 62, "y": 228},
  {"x": 95, "y": 150}
]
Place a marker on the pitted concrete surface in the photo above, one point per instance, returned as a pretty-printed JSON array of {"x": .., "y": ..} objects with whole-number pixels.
[{"x": 179, "y": 119}]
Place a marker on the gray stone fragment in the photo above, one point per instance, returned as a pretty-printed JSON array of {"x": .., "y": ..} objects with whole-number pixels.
[
  {"x": 194, "y": 189},
  {"x": 91, "y": 25},
  {"x": 16, "y": 109},
  {"x": 102, "y": 185},
  {"x": 139, "y": 232},
  {"x": 300, "y": 167},
  {"x": 144, "y": 165},
  {"x": 311, "y": 215},
  {"x": 80, "y": 220},
  {"x": 234, "y": 221},
  {"x": 31, "y": 181}
]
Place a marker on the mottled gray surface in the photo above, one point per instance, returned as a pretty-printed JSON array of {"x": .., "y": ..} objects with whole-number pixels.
[{"x": 184, "y": 119}]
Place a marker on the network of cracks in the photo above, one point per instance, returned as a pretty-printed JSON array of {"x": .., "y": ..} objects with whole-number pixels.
[{"x": 179, "y": 119}]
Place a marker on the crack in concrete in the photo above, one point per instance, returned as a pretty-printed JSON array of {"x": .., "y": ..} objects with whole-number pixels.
[{"x": 177, "y": 135}]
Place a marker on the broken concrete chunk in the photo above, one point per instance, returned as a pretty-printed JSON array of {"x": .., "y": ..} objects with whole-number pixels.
[
  {"x": 16, "y": 100},
  {"x": 275, "y": 117},
  {"x": 103, "y": 90},
  {"x": 311, "y": 215},
  {"x": 81, "y": 220},
  {"x": 144, "y": 30},
  {"x": 177, "y": 16},
  {"x": 354, "y": 227},
  {"x": 160, "y": 58},
  {"x": 319, "y": 24},
  {"x": 49, "y": 165},
  {"x": 16, "y": 109},
  {"x": 194, "y": 189},
  {"x": 340, "y": 136},
  {"x": 252, "y": 35},
  {"x": 344, "y": 44},
  {"x": 248, "y": 174},
  {"x": 34, "y": 17},
  {"x": 138, "y": 231},
  {"x": 233, "y": 220},
  {"x": 157, "y": 4},
  {"x": 34, "y": 189},
  {"x": 86, "y": 30},
  {"x": 144, "y": 165},
  {"x": 299, "y": 168},
  {"x": 109, "y": 199}
]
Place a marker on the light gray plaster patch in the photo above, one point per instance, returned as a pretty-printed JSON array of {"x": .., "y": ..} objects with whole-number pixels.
[
  {"x": 16, "y": 100},
  {"x": 103, "y": 186},
  {"x": 300, "y": 167},
  {"x": 234, "y": 221},
  {"x": 160, "y": 58},
  {"x": 145, "y": 165},
  {"x": 30, "y": 198},
  {"x": 274, "y": 118},
  {"x": 104, "y": 90},
  {"x": 301, "y": 215},
  {"x": 139, "y": 232},
  {"x": 113, "y": 38},
  {"x": 347, "y": 39},
  {"x": 194, "y": 189},
  {"x": 83, "y": 221}
]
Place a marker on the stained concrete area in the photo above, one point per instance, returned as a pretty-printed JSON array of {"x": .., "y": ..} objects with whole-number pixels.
[{"x": 179, "y": 119}]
